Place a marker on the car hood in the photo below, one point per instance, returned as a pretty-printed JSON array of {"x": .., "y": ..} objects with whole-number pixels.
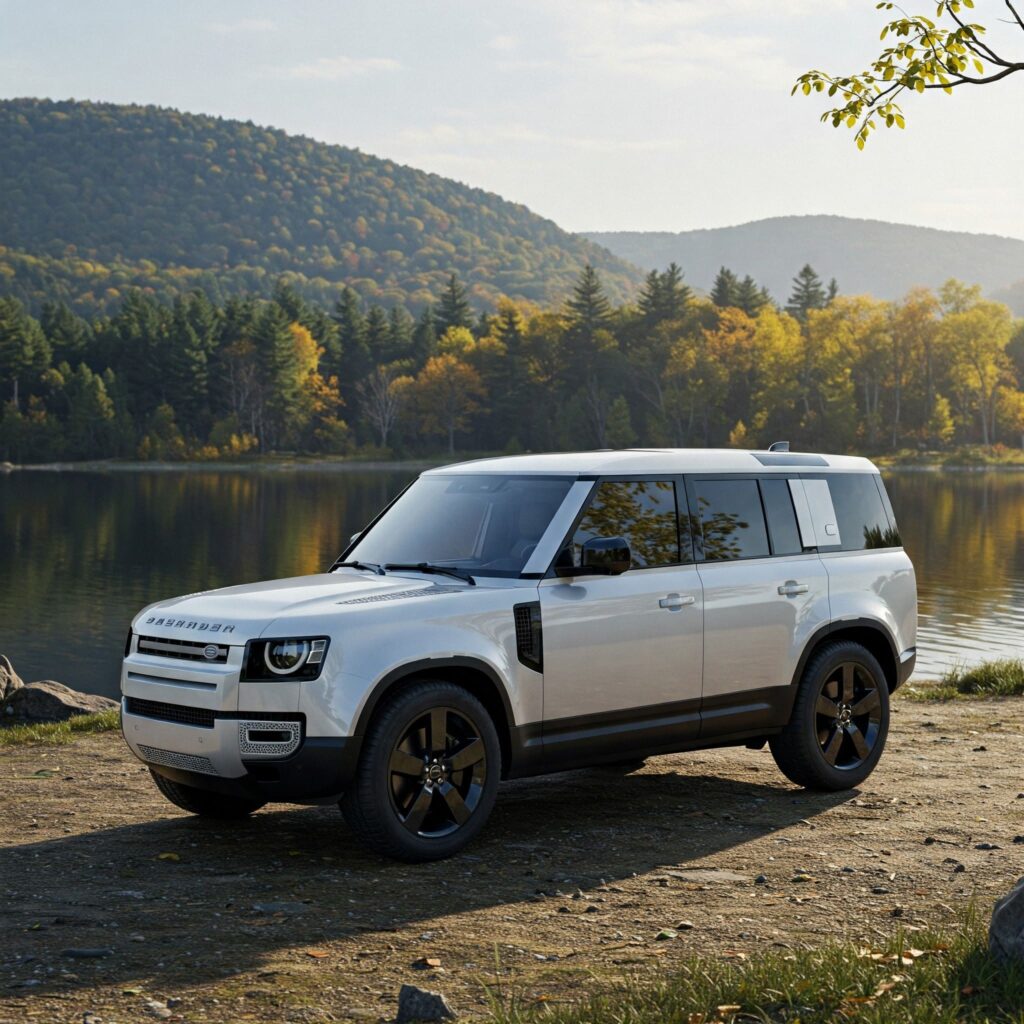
[{"x": 238, "y": 614}]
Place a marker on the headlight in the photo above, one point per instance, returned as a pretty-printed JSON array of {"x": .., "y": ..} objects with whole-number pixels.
[{"x": 287, "y": 658}]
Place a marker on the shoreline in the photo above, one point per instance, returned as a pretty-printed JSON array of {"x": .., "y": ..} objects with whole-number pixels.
[{"x": 349, "y": 465}]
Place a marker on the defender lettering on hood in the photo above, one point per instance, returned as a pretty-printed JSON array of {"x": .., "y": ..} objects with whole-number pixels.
[{"x": 213, "y": 627}]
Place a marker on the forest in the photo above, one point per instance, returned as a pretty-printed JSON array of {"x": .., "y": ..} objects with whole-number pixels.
[
  {"x": 99, "y": 199},
  {"x": 205, "y": 380}
]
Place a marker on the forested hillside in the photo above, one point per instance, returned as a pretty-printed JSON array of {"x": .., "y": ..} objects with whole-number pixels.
[
  {"x": 868, "y": 256},
  {"x": 97, "y": 198}
]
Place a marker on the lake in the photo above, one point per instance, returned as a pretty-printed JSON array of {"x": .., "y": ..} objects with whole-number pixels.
[{"x": 81, "y": 552}]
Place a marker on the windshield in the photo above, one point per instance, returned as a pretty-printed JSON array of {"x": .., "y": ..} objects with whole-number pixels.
[{"x": 486, "y": 524}]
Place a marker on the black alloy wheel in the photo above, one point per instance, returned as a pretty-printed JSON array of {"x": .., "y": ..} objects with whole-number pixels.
[
  {"x": 840, "y": 719},
  {"x": 849, "y": 716},
  {"x": 438, "y": 771},
  {"x": 428, "y": 772}
]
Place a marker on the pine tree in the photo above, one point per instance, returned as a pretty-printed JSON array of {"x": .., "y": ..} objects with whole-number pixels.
[
  {"x": 453, "y": 308},
  {"x": 589, "y": 309},
  {"x": 424, "y": 337},
  {"x": 377, "y": 334},
  {"x": 724, "y": 290},
  {"x": 833, "y": 291},
  {"x": 749, "y": 297},
  {"x": 808, "y": 294},
  {"x": 24, "y": 350},
  {"x": 279, "y": 366},
  {"x": 69, "y": 335},
  {"x": 352, "y": 360},
  {"x": 186, "y": 385},
  {"x": 400, "y": 327}
]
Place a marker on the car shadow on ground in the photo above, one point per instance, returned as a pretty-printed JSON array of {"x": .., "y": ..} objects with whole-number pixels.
[{"x": 188, "y": 900}]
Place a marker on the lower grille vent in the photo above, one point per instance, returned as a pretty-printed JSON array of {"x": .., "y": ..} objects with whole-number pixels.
[
  {"x": 169, "y": 712},
  {"x": 175, "y": 759}
]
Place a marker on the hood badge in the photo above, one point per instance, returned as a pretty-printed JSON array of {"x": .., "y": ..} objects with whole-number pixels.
[
  {"x": 211, "y": 652},
  {"x": 213, "y": 627}
]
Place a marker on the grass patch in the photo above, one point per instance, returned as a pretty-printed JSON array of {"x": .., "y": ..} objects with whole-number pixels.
[
  {"x": 59, "y": 732},
  {"x": 1004, "y": 678},
  {"x": 916, "y": 979}
]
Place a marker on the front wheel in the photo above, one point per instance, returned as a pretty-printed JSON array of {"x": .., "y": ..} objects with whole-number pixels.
[
  {"x": 840, "y": 720},
  {"x": 203, "y": 802},
  {"x": 428, "y": 773}
]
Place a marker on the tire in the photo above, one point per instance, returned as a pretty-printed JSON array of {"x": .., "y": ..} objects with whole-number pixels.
[
  {"x": 840, "y": 720},
  {"x": 428, "y": 773},
  {"x": 203, "y": 802}
]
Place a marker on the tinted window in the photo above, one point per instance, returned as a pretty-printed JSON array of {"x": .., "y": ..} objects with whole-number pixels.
[
  {"x": 860, "y": 512},
  {"x": 778, "y": 505},
  {"x": 731, "y": 519},
  {"x": 641, "y": 511},
  {"x": 486, "y": 523}
]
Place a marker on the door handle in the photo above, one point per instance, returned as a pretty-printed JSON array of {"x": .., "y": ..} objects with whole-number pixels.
[
  {"x": 676, "y": 601},
  {"x": 791, "y": 588}
]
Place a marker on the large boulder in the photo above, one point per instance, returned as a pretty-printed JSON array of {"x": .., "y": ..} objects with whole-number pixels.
[
  {"x": 47, "y": 701},
  {"x": 1006, "y": 932},
  {"x": 9, "y": 679}
]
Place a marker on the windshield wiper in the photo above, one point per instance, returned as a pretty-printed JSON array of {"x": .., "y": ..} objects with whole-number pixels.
[
  {"x": 368, "y": 566},
  {"x": 443, "y": 570}
]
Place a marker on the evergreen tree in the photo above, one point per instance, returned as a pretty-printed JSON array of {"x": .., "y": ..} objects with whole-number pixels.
[
  {"x": 24, "y": 350},
  {"x": 833, "y": 291},
  {"x": 664, "y": 296},
  {"x": 351, "y": 360},
  {"x": 279, "y": 366},
  {"x": 378, "y": 334},
  {"x": 808, "y": 294},
  {"x": 187, "y": 381},
  {"x": 588, "y": 309},
  {"x": 400, "y": 327},
  {"x": 724, "y": 290},
  {"x": 749, "y": 297},
  {"x": 453, "y": 308},
  {"x": 424, "y": 337},
  {"x": 69, "y": 335}
]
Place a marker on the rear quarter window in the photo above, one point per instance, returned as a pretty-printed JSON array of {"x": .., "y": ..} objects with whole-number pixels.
[{"x": 861, "y": 514}]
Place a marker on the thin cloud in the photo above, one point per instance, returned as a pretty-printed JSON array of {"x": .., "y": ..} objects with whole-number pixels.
[
  {"x": 243, "y": 25},
  {"x": 334, "y": 69}
]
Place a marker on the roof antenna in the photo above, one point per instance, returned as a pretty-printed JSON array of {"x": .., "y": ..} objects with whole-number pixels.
[{"x": 779, "y": 446}]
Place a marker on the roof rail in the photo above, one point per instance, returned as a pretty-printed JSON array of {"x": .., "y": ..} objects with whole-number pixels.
[{"x": 779, "y": 446}]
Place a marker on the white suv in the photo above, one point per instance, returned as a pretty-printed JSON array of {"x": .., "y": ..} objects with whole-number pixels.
[{"x": 517, "y": 616}]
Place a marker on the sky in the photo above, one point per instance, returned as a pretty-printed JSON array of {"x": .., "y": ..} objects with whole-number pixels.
[{"x": 654, "y": 115}]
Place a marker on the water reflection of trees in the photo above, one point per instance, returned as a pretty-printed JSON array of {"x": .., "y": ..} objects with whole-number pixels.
[
  {"x": 642, "y": 511},
  {"x": 83, "y": 551},
  {"x": 965, "y": 534}
]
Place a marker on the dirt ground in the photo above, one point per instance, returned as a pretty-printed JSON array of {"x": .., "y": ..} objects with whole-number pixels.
[{"x": 285, "y": 918}]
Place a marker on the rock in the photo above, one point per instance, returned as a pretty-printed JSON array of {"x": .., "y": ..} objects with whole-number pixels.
[
  {"x": 417, "y": 1004},
  {"x": 77, "y": 953},
  {"x": 986, "y": 846},
  {"x": 1006, "y": 932},
  {"x": 9, "y": 679},
  {"x": 761, "y": 880},
  {"x": 48, "y": 701}
]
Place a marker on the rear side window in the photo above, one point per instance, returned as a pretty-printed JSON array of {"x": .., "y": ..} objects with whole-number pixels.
[
  {"x": 643, "y": 512},
  {"x": 782, "y": 526},
  {"x": 863, "y": 522},
  {"x": 731, "y": 519}
]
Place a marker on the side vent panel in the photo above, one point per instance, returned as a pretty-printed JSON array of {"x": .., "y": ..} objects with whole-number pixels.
[{"x": 529, "y": 639}]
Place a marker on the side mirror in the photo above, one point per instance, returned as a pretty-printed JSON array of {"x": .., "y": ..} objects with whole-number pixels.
[{"x": 601, "y": 556}]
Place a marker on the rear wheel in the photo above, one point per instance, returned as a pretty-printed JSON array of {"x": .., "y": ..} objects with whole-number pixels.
[
  {"x": 840, "y": 720},
  {"x": 202, "y": 801},
  {"x": 428, "y": 774}
]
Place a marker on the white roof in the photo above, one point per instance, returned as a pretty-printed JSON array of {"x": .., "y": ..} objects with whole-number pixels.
[{"x": 663, "y": 460}]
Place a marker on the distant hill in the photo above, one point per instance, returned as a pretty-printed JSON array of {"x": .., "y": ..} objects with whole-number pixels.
[
  {"x": 871, "y": 256},
  {"x": 99, "y": 198}
]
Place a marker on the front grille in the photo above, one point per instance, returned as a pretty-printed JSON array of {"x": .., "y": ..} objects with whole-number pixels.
[
  {"x": 183, "y": 650},
  {"x": 169, "y": 712},
  {"x": 174, "y": 759}
]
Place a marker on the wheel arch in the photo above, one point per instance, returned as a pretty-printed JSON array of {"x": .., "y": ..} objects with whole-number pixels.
[
  {"x": 871, "y": 634},
  {"x": 474, "y": 675}
]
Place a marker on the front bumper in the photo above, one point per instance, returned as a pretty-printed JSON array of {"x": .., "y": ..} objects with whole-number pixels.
[
  {"x": 908, "y": 659},
  {"x": 221, "y": 758}
]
